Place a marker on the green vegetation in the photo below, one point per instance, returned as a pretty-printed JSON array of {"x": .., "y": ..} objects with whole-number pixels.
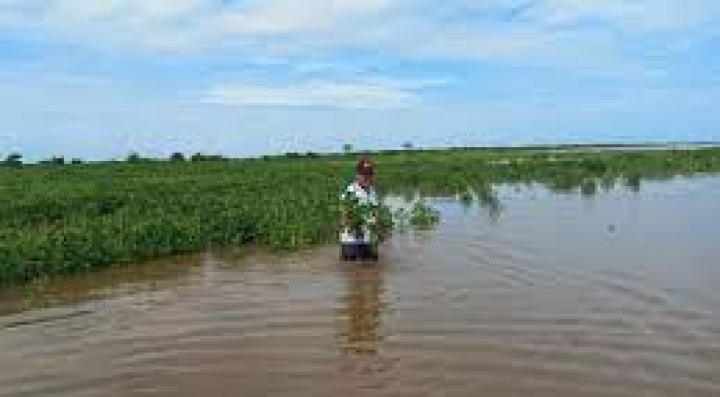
[
  {"x": 13, "y": 160},
  {"x": 450, "y": 173},
  {"x": 466, "y": 198},
  {"x": 177, "y": 156},
  {"x": 60, "y": 218},
  {"x": 423, "y": 216},
  {"x": 55, "y": 160},
  {"x": 358, "y": 214}
]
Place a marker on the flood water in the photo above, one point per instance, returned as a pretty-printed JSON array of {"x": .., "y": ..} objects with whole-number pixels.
[{"x": 551, "y": 295}]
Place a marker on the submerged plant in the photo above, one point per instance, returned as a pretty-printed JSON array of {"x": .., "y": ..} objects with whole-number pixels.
[
  {"x": 70, "y": 219},
  {"x": 401, "y": 219},
  {"x": 423, "y": 216},
  {"x": 588, "y": 188},
  {"x": 634, "y": 182},
  {"x": 466, "y": 198},
  {"x": 608, "y": 183}
]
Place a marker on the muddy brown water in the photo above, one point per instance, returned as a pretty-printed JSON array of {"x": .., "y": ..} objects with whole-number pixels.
[{"x": 555, "y": 295}]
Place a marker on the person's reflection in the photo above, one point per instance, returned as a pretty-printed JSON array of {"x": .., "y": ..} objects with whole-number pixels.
[{"x": 359, "y": 315}]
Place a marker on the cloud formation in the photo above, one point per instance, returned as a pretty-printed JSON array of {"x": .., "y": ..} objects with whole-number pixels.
[
  {"x": 368, "y": 93},
  {"x": 455, "y": 28},
  {"x": 507, "y": 64}
]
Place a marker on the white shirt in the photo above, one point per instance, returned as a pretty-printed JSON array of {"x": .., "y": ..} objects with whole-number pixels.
[{"x": 365, "y": 197}]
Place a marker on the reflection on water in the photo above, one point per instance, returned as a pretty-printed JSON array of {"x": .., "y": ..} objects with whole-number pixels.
[
  {"x": 48, "y": 292},
  {"x": 559, "y": 296},
  {"x": 490, "y": 201},
  {"x": 634, "y": 183},
  {"x": 360, "y": 314},
  {"x": 487, "y": 198}
]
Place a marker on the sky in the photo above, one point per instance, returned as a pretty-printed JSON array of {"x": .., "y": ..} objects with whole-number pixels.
[{"x": 99, "y": 79}]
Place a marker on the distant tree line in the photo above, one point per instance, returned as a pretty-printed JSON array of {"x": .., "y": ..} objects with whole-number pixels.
[
  {"x": 176, "y": 157},
  {"x": 13, "y": 160},
  {"x": 16, "y": 159}
]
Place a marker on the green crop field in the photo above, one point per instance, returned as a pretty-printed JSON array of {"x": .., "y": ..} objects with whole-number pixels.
[{"x": 63, "y": 219}]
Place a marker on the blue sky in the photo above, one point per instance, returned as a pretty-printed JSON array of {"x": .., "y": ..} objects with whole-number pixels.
[{"x": 100, "y": 78}]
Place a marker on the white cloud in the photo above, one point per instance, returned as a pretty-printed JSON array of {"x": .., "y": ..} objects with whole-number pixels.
[
  {"x": 638, "y": 16},
  {"x": 365, "y": 93},
  {"x": 580, "y": 37},
  {"x": 452, "y": 28},
  {"x": 282, "y": 17},
  {"x": 292, "y": 55},
  {"x": 184, "y": 24}
]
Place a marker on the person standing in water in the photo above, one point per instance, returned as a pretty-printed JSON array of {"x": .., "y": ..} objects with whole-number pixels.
[{"x": 358, "y": 215}]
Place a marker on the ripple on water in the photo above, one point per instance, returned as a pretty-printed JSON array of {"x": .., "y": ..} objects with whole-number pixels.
[{"x": 505, "y": 308}]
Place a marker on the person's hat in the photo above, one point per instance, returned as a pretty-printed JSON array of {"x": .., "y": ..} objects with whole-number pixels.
[{"x": 364, "y": 167}]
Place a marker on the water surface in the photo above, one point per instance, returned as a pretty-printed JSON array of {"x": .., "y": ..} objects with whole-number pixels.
[{"x": 545, "y": 295}]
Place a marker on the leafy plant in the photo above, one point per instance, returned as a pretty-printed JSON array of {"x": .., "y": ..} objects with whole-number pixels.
[
  {"x": 63, "y": 220},
  {"x": 423, "y": 216},
  {"x": 466, "y": 198},
  {"x": 376, "y": 219}
]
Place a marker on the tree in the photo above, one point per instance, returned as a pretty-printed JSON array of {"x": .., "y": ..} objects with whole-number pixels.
[
  {"x": 133, "y": 157},
  {"x": 207, "y": 157},
  {"x": 177, "y": 157},
  {"x": 13, "y": 160},
  {"x": 347, "y": 148},
  {"x": 76, "y": 161},
  {"x": 407, "y": 145},
  {"x": 56, "y": 160}
]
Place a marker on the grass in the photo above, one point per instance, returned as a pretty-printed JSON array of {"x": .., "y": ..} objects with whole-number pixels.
[{"x": 64, "y": 219}]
